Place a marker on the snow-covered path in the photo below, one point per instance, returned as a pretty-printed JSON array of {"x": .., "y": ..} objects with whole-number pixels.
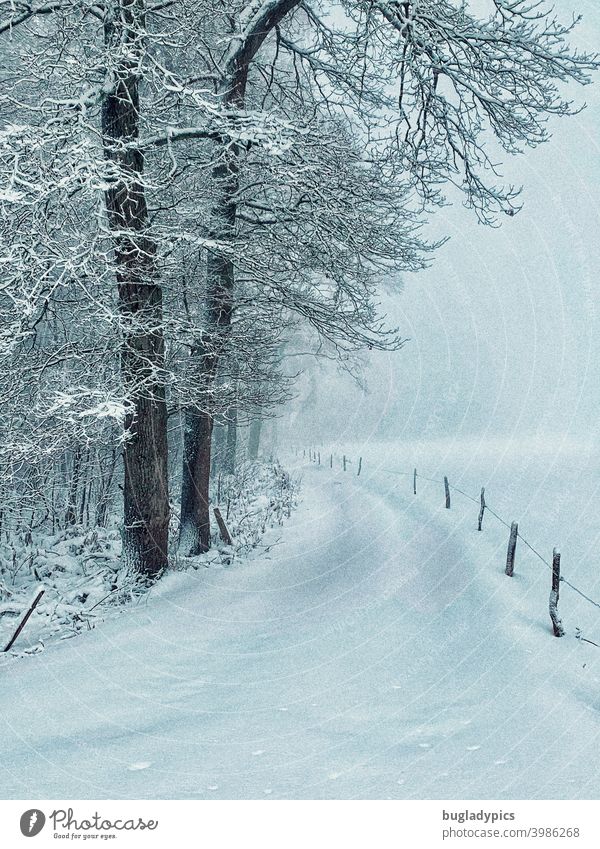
[{"x": 370, "y": 654}]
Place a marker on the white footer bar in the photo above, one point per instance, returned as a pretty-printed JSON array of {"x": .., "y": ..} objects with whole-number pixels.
[{"x": 301, "y": 824}]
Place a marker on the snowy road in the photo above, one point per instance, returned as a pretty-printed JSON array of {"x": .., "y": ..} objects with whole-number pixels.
[{"x": 369, "y": 654}]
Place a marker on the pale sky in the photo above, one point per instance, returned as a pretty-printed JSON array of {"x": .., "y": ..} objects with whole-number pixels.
[{"x": 505, "y": 325}]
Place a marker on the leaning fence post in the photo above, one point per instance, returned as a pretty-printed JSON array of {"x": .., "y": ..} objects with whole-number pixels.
[
  {"x": 24, "y": 620},
  {"x": 415, "y": 483},
  {"x": 359, "y": 466},
  {"x": 557, "y": 625},
  {"x": 482, "y": 509},
  {"x": 447, "y": 489},
  {"x": 512, "y": 545},
  {"x": 223, "y": 532},
  {"x": 344, "y": 462}
]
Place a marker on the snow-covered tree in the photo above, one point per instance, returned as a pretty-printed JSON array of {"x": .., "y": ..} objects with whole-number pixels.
[{"x": 290, "y": 146}]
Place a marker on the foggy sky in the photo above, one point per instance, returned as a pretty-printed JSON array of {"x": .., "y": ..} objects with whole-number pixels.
[{"x": 504, "y": 326}]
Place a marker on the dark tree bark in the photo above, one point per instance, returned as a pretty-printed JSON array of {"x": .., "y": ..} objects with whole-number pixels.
[
  {"x": 194, "y": 535},
  {"x": 232, "y": 428},
  {"x": 194, "y": 531},
  {"x": 106, "y": 480},
  {"x": 254, "y": 439},
  {"x": 231, "y": 445},
  {"x": 145, "y": 490},
  {"x": 85, "y": 487},
  {"x": 71, "y": 512},
  {"x": 218, "y": 446}
]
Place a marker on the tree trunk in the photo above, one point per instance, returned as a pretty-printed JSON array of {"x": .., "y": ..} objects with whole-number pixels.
[
  {"x": 231, "y": 446},
  {"x": 84, "y": 489},
  {"x": 106, "y": 479},
  {"x": 218, "y": 446},
  {"x": 220, "y": 277},
  {"x": 194, "y": 535},
  {"x": 71, "y": 512},
  {"x": 232, "y": 425},
  {"x": 194, "y": 531},
  {"x": 145, "y": 490},
  {"x": 254, "y": 439}
]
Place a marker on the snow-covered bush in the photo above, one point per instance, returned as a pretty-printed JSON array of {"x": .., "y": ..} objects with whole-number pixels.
[
  {"x": 257, "y": 497},
  {"x": 84, "y": 579}
]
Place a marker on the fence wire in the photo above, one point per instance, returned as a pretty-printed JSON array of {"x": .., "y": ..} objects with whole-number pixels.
[{"x": 496, "y": 516}]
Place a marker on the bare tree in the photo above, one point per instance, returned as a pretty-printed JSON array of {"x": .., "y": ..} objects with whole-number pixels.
[
  {"x": 421, "y": 83},
  {"x": 290, "y": 151}
]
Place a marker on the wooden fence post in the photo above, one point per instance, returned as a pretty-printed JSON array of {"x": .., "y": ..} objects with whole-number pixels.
[
  {"x": 557, "y": 625},
  {"x": 331, "y": 461},
  {"x": 25, "y": 619},
  {"x": 512, "y": 545},
  {"x": 223, "y": 532},
  {"x": 482, "y": 509},
  {"x": 319, "y": 456},
  {"x": 447, "y": 490},
  {"x": 344, "y": 462},
  {"x": 415, "y": 483},
  {"x": 359, "y": 466}
]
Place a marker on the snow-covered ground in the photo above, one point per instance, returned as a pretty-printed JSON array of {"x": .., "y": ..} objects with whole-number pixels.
[
  {"x": 377, "y": 650},
  {"x": 83, "y": 578}
]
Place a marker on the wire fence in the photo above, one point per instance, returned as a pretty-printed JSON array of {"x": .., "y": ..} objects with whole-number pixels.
[{"x": 344, "y": 461}]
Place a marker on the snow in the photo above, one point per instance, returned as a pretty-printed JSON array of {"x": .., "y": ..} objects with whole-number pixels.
[
  {"x": 377, "y": 650},
  {"x": 107, "y": 409},
  {"x": 85, "y": 578},
  {"x": 10, "y": 195}
]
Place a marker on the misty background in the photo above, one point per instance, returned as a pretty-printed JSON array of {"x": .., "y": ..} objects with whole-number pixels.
[{"x": 503, "y": 327}]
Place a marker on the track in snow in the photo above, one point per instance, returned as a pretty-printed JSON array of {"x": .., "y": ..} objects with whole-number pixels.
[{"x": 367, "y": 655}]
